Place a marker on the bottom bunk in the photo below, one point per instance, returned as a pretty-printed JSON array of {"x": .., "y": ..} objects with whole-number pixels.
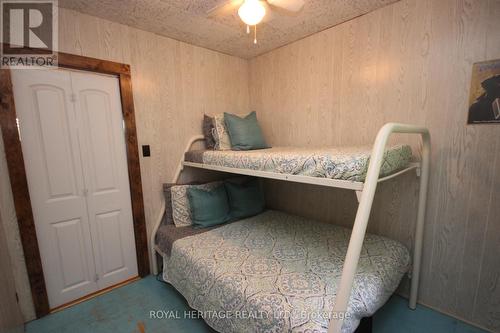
[{"x": 276, "y": 272}]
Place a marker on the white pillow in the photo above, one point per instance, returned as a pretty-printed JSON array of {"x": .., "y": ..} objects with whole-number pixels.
[{"x": 181, "y": 211}]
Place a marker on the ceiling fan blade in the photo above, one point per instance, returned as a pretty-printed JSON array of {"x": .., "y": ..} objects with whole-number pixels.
[
  {"x": 288, "y": 5},
  {"x": 269, "y": 12},
  {"x": 224, "y": 8}
]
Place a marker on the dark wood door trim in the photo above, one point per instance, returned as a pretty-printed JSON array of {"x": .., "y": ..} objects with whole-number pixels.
[
  {"x": 19, "y": 183},
  {"x": 22, "y": 202}
]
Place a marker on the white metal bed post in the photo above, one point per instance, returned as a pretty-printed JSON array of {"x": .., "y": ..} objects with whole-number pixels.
[
  {"x": 177, "y": 175},
  {"x": 363, "y": 214}
]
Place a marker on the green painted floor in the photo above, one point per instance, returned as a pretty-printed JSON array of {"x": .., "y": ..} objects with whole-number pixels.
[{"x": 126, "y": 310}]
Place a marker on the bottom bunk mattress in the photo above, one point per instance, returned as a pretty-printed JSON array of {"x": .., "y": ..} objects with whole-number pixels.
[{"x": 280, "y": 273}]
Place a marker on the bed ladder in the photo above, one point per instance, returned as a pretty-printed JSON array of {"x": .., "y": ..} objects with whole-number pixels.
[{"x": 361, "y": 222}]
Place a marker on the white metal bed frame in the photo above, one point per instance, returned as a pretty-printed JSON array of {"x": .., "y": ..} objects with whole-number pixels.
[{"x": 365, "y": 192}]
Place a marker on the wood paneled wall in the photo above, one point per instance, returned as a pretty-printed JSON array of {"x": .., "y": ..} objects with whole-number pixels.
[
  {"x": 173, "y": 84},
  {"x": 407, "y": 62},
  {"x": 11, "y": 319}
]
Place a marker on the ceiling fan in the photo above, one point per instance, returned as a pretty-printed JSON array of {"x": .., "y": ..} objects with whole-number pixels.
[{"x": 253, "y": 12}]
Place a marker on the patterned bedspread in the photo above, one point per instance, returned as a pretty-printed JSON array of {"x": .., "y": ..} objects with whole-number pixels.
[
  {"x": 279, "y": 273},
  {"x": 347, "y": 163}
]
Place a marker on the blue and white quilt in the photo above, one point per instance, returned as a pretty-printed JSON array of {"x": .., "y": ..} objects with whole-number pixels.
[
  {"x": 280, "y": 273},
  {"x": 345, "y": 163}
]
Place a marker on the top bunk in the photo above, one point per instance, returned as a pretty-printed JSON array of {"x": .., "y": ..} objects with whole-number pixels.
[{"x": 342, "y": 167}]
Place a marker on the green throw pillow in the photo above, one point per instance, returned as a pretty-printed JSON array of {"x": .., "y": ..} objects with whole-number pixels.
[
  {"x": 245, "y": 133},
  {"x": 245, "y": 199},
  {"x": 208, "y": 208}
]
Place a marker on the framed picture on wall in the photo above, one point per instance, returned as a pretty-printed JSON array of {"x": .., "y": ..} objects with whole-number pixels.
[{"x": 484, "y": 101}]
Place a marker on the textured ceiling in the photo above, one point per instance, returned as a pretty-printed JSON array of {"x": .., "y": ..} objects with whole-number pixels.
[{"x": 188, "y": 21}]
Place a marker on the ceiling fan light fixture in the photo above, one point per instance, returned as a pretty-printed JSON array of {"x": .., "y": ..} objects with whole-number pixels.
[{"x": 252, "y": 12}]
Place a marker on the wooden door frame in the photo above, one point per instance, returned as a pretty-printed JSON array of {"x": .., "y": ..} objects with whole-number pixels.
[{"x": 19, "y": 182}]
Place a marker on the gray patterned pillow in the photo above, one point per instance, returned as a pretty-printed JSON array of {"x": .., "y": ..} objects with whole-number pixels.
[
  {"x": 181, "y": 211},
  {"x": 221, "y": 135},
  {"x": 208, "y": 126}
]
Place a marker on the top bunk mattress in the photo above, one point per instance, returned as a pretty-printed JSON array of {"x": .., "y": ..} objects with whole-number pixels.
[{"x": 343, "y": 163}]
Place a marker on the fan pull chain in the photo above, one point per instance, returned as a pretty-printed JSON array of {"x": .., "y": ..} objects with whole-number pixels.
[{"x": 255, "y": 35}]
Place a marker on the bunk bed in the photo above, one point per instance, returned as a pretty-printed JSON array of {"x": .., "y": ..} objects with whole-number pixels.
[{"x": 370, "y": 168}]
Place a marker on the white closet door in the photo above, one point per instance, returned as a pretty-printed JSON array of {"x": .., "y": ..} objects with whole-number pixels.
[
  {"x": 98, "y": 108},
  {"x": 55, "y": 178}
]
